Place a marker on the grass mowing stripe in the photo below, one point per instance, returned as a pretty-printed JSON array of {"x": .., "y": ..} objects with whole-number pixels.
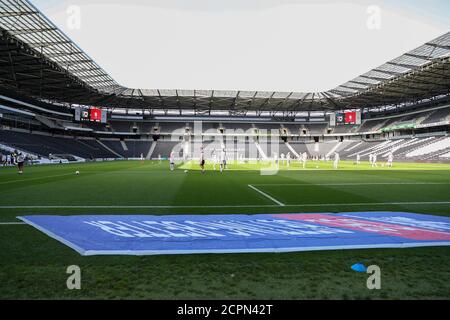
[
  {"x": 40, "y": 178},
  {"x": 351, "y": 184},
  {"x": 266, "y": 195},
  {"x": 234, "y": 206}
]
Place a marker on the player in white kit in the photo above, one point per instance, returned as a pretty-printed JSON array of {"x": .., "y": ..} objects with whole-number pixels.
[
  {"x": 275, "y": 158},
  {"x": 223, "y": 160},
  {"x": 358, "y": 159},
  {"x": 390, "y": 160},
  {"x": 288, "y": 159},
  {"x": 282, "y": 156},
  {"x": 336, "y": 160},
  {"x": 172, "y": 161},
  {"x": 214, "y": 159},
  {"x": 304, "y": 159}
]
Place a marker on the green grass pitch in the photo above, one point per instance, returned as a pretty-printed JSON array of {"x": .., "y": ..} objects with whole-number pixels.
[{"x": 32, "y": 265}]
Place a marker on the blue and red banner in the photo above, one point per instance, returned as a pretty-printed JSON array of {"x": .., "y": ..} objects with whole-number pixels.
[{"x": 184, "y": 234}]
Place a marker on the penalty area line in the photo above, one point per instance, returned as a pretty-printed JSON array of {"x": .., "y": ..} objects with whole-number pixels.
[{"x": 266, "y": 195}]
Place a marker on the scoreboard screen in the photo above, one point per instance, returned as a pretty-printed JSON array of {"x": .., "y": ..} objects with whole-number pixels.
[
  {"x": 95, "y": 115},
  {"x": 90, "y": 115},
  {"x": 345, "y": 118}
]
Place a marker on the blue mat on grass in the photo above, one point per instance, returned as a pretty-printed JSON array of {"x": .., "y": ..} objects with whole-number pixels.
[{"x": 188, "y": 234}]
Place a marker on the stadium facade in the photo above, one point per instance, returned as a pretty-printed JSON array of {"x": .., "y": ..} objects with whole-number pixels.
[{"x": 50, "y": 90}]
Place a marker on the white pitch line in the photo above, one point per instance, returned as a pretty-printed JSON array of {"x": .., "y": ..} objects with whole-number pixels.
[
  {"x": 267, "y": 196},
  {"x": 235, "y": 206},
  {"x": 351, "y": 184},
  {"x": 11, "y": 223}
]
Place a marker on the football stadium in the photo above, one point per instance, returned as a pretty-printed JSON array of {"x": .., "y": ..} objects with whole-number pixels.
[{"x": 113, "y": 192}]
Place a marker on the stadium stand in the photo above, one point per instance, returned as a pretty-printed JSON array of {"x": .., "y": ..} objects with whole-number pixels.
[
  {"x": 437, "y": 145},
  {"x": 437, "y": 116},
  {"x": 317, "y": 128},
  {"x": 120, "y": 126},
  {"x": 44, "y": 145},
  {"x": 208, "y": 127},
  {"x": 299, "y": 147},
  {"x": 293, "y": 128},
  {"x": 272, "y": 126},
  {"x": 176, "y": 128},
  {"x": 129, "y": 148},
  {"x": 164, "y": 148},
  {"x": 243, "y": 127},
  {"x": 146, "y": 127},
  {"x": 344, "y": 129},
  {"x": 411, "y": 123},
  {"x": 371, "y": 125},
  {"x": 116, "y": 139}
]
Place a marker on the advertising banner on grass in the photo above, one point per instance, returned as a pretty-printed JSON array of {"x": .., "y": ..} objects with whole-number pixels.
[{"x": 185, "y": 234}]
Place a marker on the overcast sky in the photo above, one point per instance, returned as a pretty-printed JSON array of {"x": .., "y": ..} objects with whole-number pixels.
[{"x": 281, "y": 45}]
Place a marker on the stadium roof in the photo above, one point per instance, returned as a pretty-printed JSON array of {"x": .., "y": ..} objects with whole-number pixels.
[{"x": 39, "y": 60}]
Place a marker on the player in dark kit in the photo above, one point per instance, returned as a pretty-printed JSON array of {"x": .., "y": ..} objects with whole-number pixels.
[{"x": 202, "y": 160}]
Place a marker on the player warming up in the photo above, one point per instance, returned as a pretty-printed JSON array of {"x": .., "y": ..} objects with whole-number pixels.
[
  {"x": 20, "y": 161},
  {"x": 374, "y": 160},
  {"x": 390, "y": 160},
  {"x": 172, "y": 161},
  {"x": 336, "y": 161},
  {"x": 202, "y": 160},
  {"x": 223, "y": 160},
  {"x": 283, "y": 157},
  {"x": 304, "y": 159},
  {"x": 214, "y": 159},
  {"x": 275, "y": 157}
]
